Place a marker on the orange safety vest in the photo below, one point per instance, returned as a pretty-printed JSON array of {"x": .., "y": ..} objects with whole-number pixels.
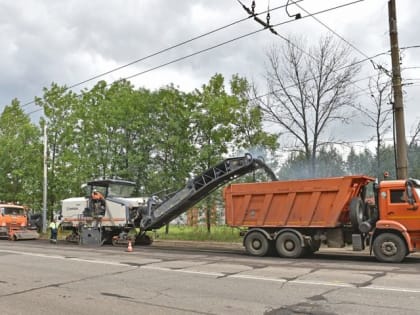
[{"x": 96, "y": 195}]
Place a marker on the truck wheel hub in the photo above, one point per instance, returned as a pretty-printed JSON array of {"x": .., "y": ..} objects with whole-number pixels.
[
  {"x": 389, "y": 248},
  {"x": 289, "y": 245},
  {"x": 256, "y": 244}
]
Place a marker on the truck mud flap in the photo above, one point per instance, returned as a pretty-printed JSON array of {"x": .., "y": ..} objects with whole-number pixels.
[
  {"x": 335, "y": 238},
  {"x": 358, "y": 242}
]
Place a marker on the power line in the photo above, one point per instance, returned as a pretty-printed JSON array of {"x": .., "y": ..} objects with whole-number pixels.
[
  {"x": 256, "y": 97},
  {"x": 376, "y": 66},
  {"x": 163, "y": 51},
  {"x": 331, "y": 30},
  {"x": 213, "y": 47},
  {"x": 296, "y": 16},
  {"x": 411, "y": 85},
  {"x": 342, "y": 68},
  {"x": 232, "y": 40},
  {"x": 408, "y": 47}
]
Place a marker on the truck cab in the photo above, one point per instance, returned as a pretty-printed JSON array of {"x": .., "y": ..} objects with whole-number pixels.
[
  {"x": 399, "y": 215},
  {"x": 395, "y": 205},
  {"x": 14, "y": 223}
]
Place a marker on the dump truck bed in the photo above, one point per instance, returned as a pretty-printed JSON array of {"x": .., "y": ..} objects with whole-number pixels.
[{"x": 296, "y": 203}]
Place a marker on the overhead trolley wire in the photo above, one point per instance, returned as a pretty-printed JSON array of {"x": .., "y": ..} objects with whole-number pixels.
[
  {"x": 164, "y": 50},
  {"x": 375, "y": 65},
  {"x": 343, "y": 67},
  {"x": 230, "y": 41},
  {"x": 295, "y": 16},
  {"x": 222, "y": 44}
]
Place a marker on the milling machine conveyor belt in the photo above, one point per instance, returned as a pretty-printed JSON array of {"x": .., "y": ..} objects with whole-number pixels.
[{"x": 161, "y": 213}]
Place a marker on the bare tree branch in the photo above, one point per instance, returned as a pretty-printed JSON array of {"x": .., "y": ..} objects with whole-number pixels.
[
  {"x": 414, "y": 138},
  {"x": 308, "y": 91},
  {"x": 378, "y": 115}
]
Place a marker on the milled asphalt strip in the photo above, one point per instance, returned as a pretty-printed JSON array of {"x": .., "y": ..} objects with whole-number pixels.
[{"x": 218, "y": 274}]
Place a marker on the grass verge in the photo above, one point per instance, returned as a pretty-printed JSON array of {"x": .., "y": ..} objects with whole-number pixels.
[
  {"x": 181, "y": 233},
  {"x": 187, "y": 233}
]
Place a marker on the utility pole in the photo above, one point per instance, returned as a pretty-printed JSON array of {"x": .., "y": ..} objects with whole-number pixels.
[
  {"x": 44, "y": 195},
  {"x": 398, "y": 106}
]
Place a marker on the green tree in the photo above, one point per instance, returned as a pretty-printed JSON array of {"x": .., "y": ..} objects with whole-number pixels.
[
  {"x": 58, "y": 104},
  {"x": 414, "y": 161},
  {"x": 329, "y": 162},
  {"x": 387, "y": 154},
  {"x": 295, "y": 167},
  {"x": 156, "y": 139},
  {"x": 413, "y": 152},
  {"x": 20, "y": 157},
  {"x": 173, "y": 151},
  {"x": 360, "y": 163},
  {"x": 225, "y": 122}
]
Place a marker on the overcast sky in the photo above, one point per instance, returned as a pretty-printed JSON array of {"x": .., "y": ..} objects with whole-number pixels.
[{"x": 66, "y": 42}]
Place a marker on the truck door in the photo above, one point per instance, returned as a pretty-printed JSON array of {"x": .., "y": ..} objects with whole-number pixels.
[{"x": 400, "y": 210}]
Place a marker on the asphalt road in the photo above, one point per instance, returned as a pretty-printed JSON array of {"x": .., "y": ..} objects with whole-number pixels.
[{"x": 186, "y": 278}]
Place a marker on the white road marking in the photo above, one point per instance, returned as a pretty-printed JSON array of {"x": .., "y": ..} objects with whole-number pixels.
[
  {"x": 104, "y": 262},
  {"x": 218, "y": 274},
  {"x": 31, "y": 254},
  {"x": 256, "y": 278},
  {"x": 380, "y": 288},
  {"x": 204, "y": 273},
  {"x": 332, "y": 284}
]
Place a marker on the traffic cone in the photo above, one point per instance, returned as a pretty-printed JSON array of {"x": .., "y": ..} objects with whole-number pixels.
[{"x": 129, "y": 248}]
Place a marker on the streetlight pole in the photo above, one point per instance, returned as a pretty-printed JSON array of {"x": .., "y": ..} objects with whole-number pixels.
[{"x": 44, "y": 194}]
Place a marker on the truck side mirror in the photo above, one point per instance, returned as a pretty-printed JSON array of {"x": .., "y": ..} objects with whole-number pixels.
[{"x": 410, "y": 195}]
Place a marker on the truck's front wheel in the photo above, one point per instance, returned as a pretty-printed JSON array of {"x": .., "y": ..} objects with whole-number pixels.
[
  {"x": 389, "y": 247},
  {"x": 256, "y": 244}
]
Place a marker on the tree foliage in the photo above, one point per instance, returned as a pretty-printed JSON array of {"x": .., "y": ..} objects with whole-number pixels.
[
  {"x": 21, "y": 157},
  {"x": 161, "y": 138},
  {"x": 156, "y": 138}
]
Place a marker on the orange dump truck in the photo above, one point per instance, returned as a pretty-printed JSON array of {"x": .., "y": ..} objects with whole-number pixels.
[
  {"x": 14, "y": 223},
  {"x": 296, "y": 217}
]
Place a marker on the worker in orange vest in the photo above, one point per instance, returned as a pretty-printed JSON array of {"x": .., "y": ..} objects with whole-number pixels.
[{"x": 96, "y": 195}]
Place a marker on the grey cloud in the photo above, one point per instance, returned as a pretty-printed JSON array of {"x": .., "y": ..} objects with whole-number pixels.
[{"x": 70, "y": 41}]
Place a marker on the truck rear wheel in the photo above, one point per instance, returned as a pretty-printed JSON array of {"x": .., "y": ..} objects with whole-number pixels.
[
  {"x": 256, "y": 244},
  {"x": 288, "y": 245},
  {"x": 389, "y": 247}
]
